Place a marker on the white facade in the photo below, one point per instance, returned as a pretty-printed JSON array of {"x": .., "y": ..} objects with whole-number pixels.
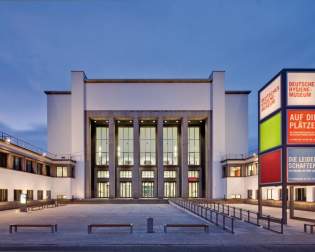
[{"x": 65, "y": 114}]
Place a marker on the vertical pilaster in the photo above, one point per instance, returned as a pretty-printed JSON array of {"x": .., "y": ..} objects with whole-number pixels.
[
  {"x": 10, "y": 161},
  {"x": 184, "y": 157},
  {"x": 136, "y": 160},
  {"x": 160, "y": 169},
  {"x": 208, "y": 155},
  {"x": 112, "y": 159}
]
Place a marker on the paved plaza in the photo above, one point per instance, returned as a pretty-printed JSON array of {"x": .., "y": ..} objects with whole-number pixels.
[{"x": 72, "y": 223}]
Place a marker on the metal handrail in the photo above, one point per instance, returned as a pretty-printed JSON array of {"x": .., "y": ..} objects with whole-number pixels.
[
  {"x": 208, "y": 214},
  {"x": 248, "y": 216},
  {"x": 23, "y": 144}
]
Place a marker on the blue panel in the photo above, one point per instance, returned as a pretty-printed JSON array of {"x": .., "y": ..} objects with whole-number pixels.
[{"x": 301, "y": 165}]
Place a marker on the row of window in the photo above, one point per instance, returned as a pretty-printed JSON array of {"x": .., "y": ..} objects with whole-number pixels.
[
  {"x": 125, "y": 189},
  {"x": 192, "y": 175},
  {"x": 239, "y": 171},
  {"x": 147, "y": 146},
  {"x": 29, "y": 195}
]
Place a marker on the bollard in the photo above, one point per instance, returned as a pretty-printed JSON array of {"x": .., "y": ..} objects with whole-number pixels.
[{"x": 150, "y": 225}]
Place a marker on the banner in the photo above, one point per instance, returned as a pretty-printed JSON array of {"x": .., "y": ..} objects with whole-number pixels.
[
  {"x": 270, "y": 98},
  {"x": 270, "y": 133},
  {"x": 301, "y": 126},
  {"x": 270, "y": 167},
  {"x": 301, "y": 165},
  {"x": 301, "y": 89}
]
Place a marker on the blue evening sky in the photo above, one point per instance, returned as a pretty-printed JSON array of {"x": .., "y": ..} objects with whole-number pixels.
[{"x": 41, "y": 41}]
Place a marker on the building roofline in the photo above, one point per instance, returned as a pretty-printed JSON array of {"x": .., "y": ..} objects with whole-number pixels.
[
  {"x": 47, "y": 92},
  {"x": 246, "y": 92},
  {"x": 147, "y": 81}
]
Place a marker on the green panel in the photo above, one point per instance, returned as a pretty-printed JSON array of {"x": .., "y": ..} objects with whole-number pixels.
[{"x": 270, "y": 133}]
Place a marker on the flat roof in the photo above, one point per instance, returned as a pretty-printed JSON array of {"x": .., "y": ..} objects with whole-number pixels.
[
  {"x": 147, "y": 81},
  {"x": 47, "y": 92},
  {"x": 247, "y": 92}
]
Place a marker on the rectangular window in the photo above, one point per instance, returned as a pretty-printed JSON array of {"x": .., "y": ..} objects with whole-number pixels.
[
  {"x": 3, "y": 160},
  {"x": 125, "y": 174},
  {"x": 48, "y": 195},
  {"x": 235, "y": 171},
  {"x": 250, "y": 194},
  {"x": 39, "y": 168},
  {"x": 125, "y": 189},
  {"x": 170, "y": 146},
  {"x": 103, "y": 189},
  {"x": 102, "y": 174},
  {"x": 102, "y": 146},
  {"x": 3, "y": 195},
  {"x": 40, "y": 195},
  {"x": 17, "y": 163},
  {"x": 193, "y": 189},
  {"x": 193, "y": 146},
  {"x": 29, "y": 166},
  {"x": 17, "y": 194},
  {"x": 147, "y": 174},
  {"x": 251, "y": 169},
  {"x": 29, "y": 195},
  {"x": 169, "y": 189},
  {"x": 169, "y": 174},
  {"x": 193, "y": 175},
  {"x": 269, "y": 194},
  {"x": 147, "y": 189},
  {"x": 62, "y": 171},
  {"x": 147, "y": 146},
  {"x": 125, "y": 146},
  {"x": 300, "y": 194},
  {"x": 47, "y": 170}
]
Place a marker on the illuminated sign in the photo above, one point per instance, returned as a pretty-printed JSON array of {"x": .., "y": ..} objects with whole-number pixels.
[
  {"x": 301, "y": 165},
  {"x": 270, "y": 167},
  {"x": 301, "y": 89},
  {"x": 301, "y": 126},
  {"x": 270, "y": 98},
  {"x": 270, "y": 133}
]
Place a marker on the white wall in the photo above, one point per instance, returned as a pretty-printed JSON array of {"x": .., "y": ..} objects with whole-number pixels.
[
  {"x": 218, "y": 133},
  {"x": 77, "y": 132},
  {"x": 59, "y": 123},
  {"x": 236, "y": 118},
  {"x": 11, "y": 179},
  {"x": 148, "y": 96},
  {"x": 240, "y": 185}
]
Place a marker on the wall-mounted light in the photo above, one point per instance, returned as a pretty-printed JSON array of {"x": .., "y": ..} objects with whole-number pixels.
[
  {"x": 165, "y": 121},
  {"x": 118, "y": 121},
  {"x": 8, "y": 140},
  {"x": 130, "y": 121},
  {"x": 141, "y": 121},
  {"x": 176, "y": 121},
  {"x": 44, "y": 154},
  {"x": 153, "y": 121}
]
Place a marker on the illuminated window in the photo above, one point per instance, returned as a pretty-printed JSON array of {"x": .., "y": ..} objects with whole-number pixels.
[
  {"x": 193, "y": 189},
  {"x": 125, "y": 146},
  {"x": 169, "y": 174},
  {"x": 125, "y": 189},
  {"x": 169, "y": 189},
  {"x": 101, "y": 148},
  {"x": 147, "y": 174},
  {"x": 17, "y": 194},
  {"x": 235, "y": 171},
  {"x": 3, "y": 195},
  {"x": 147, "y": 146},
  {"x": 193, "y": 146},
  {"x": 147, "y": 189},
  {"x": 103, "y": 189},
  {"x": 125, "y": 174},
  {"x": 62, "y": 171},
  {"x": 40, "y": 195},
  {"x": 170, "y": 146},
  {"x": 193, "y": 174},
  {"x": 102, "y": 174},
  {"x": 251, "y": 169},
  {"x": 29, "y": 195}
]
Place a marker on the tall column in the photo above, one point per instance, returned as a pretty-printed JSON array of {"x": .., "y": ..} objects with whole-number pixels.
[
  {"x": 184, "y": 157},
  {"x": 136, "y": 160},
  {"x": 112, "y": 159},
  {"x": 160, "y": 169},
  {"x": 208, "y": 157}
]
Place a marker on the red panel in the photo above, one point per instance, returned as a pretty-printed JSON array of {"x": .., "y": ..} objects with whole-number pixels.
[{"x": 270, "y": 167}]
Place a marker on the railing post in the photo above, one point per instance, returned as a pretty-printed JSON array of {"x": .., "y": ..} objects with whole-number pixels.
[
  {"x": 241, "y": 213},
  {"x": 228, "y": 209},
  {"x": 233, "y": 211},
  {"x": 223, "y": 222},
  {"x": 257, "y": 219},
  {"x": 248, "y": 216},
  {"x": 268, "y": 217}
]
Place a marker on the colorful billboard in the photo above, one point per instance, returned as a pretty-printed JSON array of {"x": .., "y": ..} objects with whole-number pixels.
[
  {"x": 270, "y": 133},
  {"x": 270, "y": 167},
  {"x": 301, "y": 165},
  {"x": 301, "y": 126},
  {"x": 301, "y": 89},
  {"x": 270, "y": 98}
]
